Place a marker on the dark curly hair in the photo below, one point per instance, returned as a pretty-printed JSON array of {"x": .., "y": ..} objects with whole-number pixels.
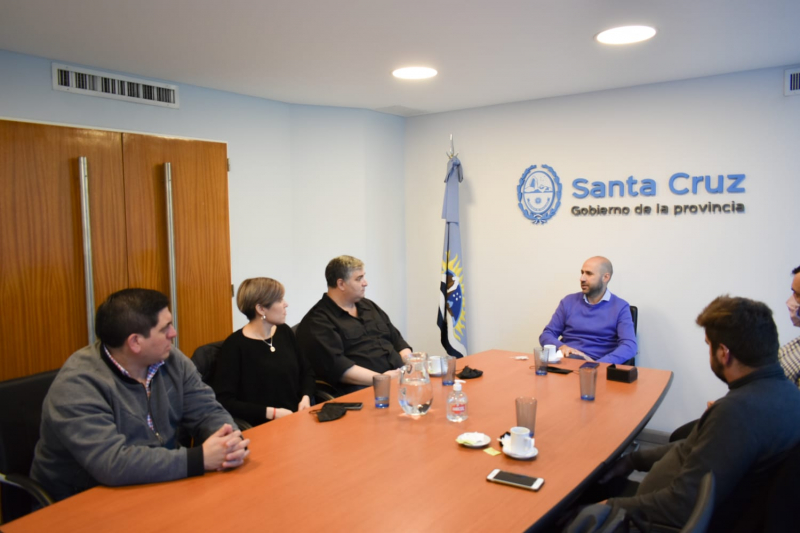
[{"x": 745, "y": 326}]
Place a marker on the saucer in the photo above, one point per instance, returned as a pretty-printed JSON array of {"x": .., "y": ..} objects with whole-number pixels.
[
  {"x": 530, "y": 455},
  {"x": 473, "y": 440},
  {"x": 556, "y": 358}
]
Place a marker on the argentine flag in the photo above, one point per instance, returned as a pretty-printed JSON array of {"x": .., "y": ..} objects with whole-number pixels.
[{"x": 452, "y": 304}]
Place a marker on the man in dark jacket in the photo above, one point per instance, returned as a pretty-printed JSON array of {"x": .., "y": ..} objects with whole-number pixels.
[{"x": 742, "y": 436}]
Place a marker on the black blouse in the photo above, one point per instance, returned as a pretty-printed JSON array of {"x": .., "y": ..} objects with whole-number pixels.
[{"x": 249, "y": 377}]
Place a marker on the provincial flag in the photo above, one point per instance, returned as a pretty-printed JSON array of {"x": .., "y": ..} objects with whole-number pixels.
[{"x": 452, "y": 306}]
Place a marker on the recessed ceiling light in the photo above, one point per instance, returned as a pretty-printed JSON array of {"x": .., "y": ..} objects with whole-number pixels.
[
  {"x": 414, "y": 73},
  {"x": 626, "y": 35}
]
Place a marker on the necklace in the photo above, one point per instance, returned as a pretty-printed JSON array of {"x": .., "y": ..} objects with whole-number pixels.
[{"x": 271, "y": 347}]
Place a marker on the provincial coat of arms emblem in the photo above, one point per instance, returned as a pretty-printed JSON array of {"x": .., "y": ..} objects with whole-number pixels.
[{"x": 539, "y": 193}]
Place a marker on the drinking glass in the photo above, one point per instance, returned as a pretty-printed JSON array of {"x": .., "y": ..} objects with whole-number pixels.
[
  {"x": 382, "y": 385},
  {"x": 526, "y": 413},
  {"x": 588, "y": 383},
  {"x": 540, "y": 360}
]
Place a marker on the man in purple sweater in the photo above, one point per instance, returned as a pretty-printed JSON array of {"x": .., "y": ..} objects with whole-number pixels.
[{"x": 593, "y": 324}]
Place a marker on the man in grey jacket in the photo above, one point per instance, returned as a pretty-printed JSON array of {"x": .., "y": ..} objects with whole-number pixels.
[
  {"x": 741, "y": 437},
  {"x": 112, "y": 413}
]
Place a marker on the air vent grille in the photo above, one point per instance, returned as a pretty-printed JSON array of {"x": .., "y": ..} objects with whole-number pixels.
[
  {"x": 791, "y": 82},
  {"x": 107, "y": 85}
]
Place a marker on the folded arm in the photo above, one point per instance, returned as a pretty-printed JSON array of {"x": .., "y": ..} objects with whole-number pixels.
[
  {"x": 358, "y": 375},
  {"x": 86, "y": 426}
]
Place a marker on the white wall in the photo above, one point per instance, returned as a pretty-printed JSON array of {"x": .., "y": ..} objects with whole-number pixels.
[
  {"x": 347, "y": 183},
  {"x": 670, "y": 267},
  {"x": 306, "y": 183}
]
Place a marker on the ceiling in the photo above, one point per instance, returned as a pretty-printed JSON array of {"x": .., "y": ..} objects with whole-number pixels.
[{"x": 342, "y": 52}]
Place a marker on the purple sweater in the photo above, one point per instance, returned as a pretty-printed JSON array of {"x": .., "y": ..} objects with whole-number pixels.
[{"x": 603, "y": 331}]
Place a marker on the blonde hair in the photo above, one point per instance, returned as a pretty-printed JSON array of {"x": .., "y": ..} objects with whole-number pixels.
[{"x": 255, "y": 291}]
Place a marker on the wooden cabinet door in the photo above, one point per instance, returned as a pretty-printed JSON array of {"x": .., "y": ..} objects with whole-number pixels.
[
  {"x": 202, "y": 237},
  {"x": 41, "y": 242}
]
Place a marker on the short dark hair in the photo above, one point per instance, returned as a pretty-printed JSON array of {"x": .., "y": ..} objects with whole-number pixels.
[
  {"x": 745, "y": 326},
  {"x": 795, "y": 271},
  {"x": 127, "y": 312},
  {"x": 340, "y": 268}
]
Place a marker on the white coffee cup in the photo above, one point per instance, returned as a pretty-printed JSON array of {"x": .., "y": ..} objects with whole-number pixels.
[
  {"x": 435, "y": 365},
  {"x": 520, "y": 442},
  {"x": 549, "y": 351}
]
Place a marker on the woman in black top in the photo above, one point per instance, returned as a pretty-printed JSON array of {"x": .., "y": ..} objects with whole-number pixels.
[{"x": 260, "y": 374}]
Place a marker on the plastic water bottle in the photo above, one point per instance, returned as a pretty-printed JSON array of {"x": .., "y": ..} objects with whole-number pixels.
[{"x": 457, "y": 403}]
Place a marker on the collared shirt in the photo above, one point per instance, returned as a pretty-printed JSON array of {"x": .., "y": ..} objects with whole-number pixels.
[
  {"x": 789, "y": 356},
  {"x": 151, "y": 372},
  {"x": 334, "y": 341},
  {"x": 606, "y": 297}
]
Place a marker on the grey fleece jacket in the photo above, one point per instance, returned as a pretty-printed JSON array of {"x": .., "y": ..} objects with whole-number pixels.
[
  {"x": 743, "y": 433},
  {"x": 94, "y": 425}
]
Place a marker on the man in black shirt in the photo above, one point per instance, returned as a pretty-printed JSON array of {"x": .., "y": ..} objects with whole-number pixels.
[{"x": 348, "y": 338}]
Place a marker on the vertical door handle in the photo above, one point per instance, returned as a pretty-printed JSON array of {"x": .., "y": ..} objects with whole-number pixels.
[
  {"x": 83, "y": 168},
  {"x": 173, "y": 288}
]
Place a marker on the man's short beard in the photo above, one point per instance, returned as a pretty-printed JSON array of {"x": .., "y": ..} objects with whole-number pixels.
[{"x": 595, "y": 292}]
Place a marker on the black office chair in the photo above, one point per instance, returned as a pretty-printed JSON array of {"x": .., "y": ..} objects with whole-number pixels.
[
  {"x": 205, "y": 359},
  {"x": 702, "y": 512},
  {"x": 324, "y": 391},
  {"x": 683, "y": 431},
  {"x": 635, "y": 317},
  {"x": 703, "y": 508},
  {"x": 768, "y": 498},
  {"x": 20, "y": 418}
]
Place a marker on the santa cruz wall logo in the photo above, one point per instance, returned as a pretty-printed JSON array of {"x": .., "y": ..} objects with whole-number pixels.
[{"x": 539, "y": 193}]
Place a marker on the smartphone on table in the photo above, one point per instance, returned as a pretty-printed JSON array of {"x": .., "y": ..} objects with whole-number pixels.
[
  {"x": 351, "y": 406},
  {"x": 515, "y": 480},
  {"x": 590, "y": 365}
]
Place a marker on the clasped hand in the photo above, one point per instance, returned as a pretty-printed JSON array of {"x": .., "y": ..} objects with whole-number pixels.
[{"x": 225, "y": 449}]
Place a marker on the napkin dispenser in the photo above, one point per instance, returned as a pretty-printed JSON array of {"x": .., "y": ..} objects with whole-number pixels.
[{"x": 622, "y": 373}]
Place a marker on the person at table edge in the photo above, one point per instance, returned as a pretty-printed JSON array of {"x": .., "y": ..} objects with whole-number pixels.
[
  {"x": 739, "y": 438},
  {"x": 112, "y": 413},
  {"x": 261, "y": 374},
  {"x": 346, "y": 337},
  {"x": 789, "y": 354},
  {"x": 593, "y": 324}
]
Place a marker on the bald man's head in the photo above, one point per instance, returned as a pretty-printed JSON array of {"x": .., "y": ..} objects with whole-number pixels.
[
  {"x": 603, "y": 264},
  {"x": 595, "y": 275}
]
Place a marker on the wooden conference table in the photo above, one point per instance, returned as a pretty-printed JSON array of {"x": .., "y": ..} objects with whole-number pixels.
[{"x": 381, "y": 470}]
